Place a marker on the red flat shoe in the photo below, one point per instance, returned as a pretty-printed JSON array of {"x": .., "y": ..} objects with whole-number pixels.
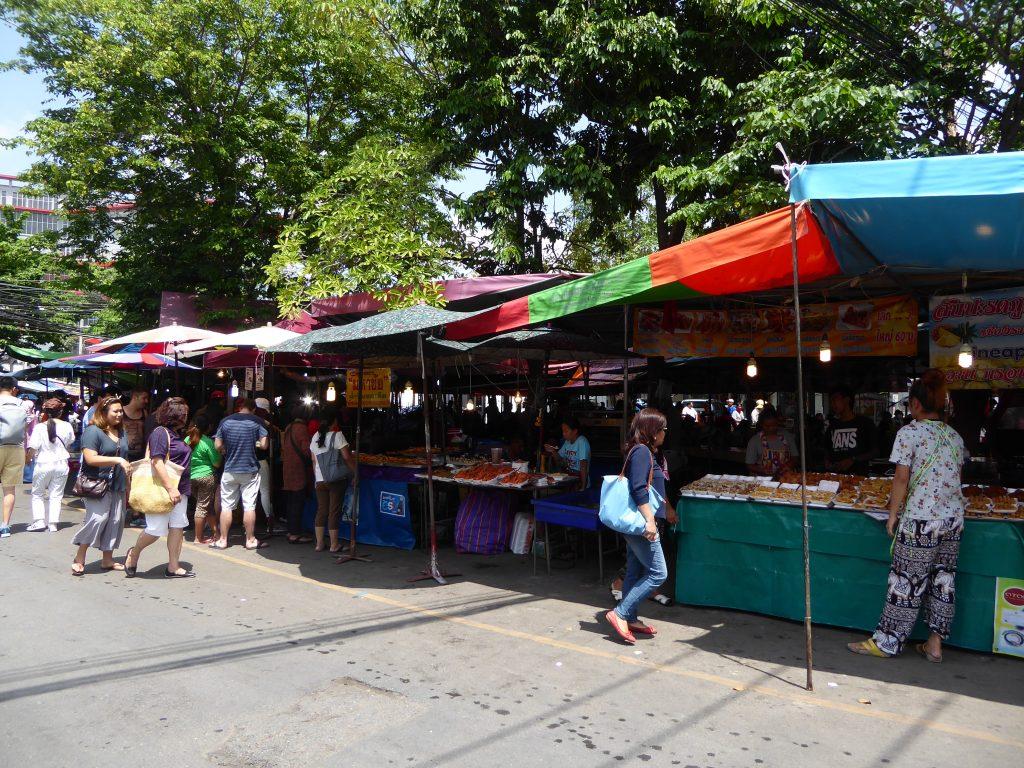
[
  {"x": 643, "y": 629},
  {"x": 627, "y": 636}
]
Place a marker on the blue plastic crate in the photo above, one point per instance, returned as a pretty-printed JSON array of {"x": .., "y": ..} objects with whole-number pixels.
[{"x": 570, "y": 509}]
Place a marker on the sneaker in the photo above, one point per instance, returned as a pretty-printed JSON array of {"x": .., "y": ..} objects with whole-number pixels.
[
  {"x": 5, "y": 531},
  {"x": 38, "y": 525},
  {"x": 51, "y": 528}
]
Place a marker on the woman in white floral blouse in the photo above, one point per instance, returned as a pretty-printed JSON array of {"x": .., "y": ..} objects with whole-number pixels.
[{"x": 926, "y": 516}]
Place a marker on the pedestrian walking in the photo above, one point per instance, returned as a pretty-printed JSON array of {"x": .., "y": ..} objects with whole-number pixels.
[
  {"x": 103, "y": 482},
  {"x": 330, "y": 492},
  {"x": 926, "y": 518},
  {"x": 296, "y": 472},
  {"x": 238, "y": 437},
  {"x": 166, "y": 444},
  {"x": 12, "y": 447},
  {"x": 48, "y": 448},
  {"x": 203, "y": 472},
  {"x": 645, "y": 561}
]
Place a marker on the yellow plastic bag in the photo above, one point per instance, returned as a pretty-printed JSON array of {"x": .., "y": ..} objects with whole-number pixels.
[{"x": 147, "y": 494}]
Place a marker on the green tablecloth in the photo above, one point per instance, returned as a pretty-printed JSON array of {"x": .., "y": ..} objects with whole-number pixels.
[{"x": 749, "y": 556}]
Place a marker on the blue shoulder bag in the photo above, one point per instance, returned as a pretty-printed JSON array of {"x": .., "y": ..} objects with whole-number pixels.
[{"x": 618, "y": 511}]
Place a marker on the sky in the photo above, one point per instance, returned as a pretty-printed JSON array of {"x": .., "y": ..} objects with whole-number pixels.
[{"x": 22, "y": 97}]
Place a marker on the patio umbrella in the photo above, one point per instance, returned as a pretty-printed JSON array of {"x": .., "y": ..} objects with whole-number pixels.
[
  {"x": 120, "y": 361},
  {"x": 257, "y": 338},
  {"x": 162, "y": 339}
]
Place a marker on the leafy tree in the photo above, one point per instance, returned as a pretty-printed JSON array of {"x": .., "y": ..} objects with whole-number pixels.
[
  {"x": 375, "y": 218},
  {"x": 212, "y": 119},
  {"x": 42, "y": 291}
]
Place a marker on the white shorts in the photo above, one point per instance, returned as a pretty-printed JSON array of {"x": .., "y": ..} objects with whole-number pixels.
[
  {"x": 233, "y": 484},
  {"x": 158, "y": 525}
]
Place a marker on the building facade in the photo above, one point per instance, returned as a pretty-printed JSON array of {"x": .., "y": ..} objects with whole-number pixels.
[{"x": 40, "y": 211}]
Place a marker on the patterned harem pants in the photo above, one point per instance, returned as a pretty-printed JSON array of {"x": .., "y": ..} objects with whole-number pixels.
[{"x": 923, "y": 569}]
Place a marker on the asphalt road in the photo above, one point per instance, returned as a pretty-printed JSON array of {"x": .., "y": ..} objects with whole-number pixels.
[{"x": 282, "y": 658}]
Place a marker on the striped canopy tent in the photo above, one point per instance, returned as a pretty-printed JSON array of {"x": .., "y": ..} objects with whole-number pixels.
[
  {"x": 754, "y": 255},
  {"x": 911, "y": 225}
]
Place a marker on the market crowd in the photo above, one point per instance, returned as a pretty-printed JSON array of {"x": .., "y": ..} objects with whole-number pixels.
[{"x": 220, "y": 466}]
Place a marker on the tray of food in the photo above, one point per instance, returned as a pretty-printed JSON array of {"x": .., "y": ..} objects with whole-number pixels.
[
  {"x": 519, "y": 479},
  {"x": 483, "y": 474}
]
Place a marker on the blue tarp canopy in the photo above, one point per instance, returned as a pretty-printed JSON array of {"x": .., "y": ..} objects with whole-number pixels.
[{"x": 920, "y": 216}]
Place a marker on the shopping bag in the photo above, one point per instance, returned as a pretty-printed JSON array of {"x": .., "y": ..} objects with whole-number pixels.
[
  {"x": 147, "y": 494},
  {"x": 618, "y": 511}
]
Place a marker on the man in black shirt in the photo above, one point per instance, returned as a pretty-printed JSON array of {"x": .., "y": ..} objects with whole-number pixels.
[{"x": 850, "y": 441}]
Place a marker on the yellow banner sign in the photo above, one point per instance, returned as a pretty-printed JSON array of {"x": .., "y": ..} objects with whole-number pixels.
[
  {"x": 376, "y": 388},
  {"x": 992, "y": 325},
  {"x": 873, "y": 327}
]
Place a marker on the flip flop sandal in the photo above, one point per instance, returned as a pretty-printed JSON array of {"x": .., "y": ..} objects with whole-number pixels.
[
  {"x": 130, "y": 572},
  {"x": 661, "y": 599},
  {"x": 337, "y": 551},
  {"x": 259, "y": 545},
  {"x": 185, "y": 575},
  {"x": 643, "y": 629},
  {"x": 867, "y": 648},
  {"x": 215, "y": 545},
  {"x": 616, "y": 595},
  {"x": 931, "y": 658},
  {"x": 627, "y": 636},
  {"x": 77, "y": 573},
  {"x": 301, "y": 540}
]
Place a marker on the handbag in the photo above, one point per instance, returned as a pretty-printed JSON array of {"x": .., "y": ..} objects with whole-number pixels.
[
  {"x": 148, "y": 495},
  {"x": 618, "y": 511},
  {"x": 91, "y": 487},
  {"x": 333, "y": 468}
]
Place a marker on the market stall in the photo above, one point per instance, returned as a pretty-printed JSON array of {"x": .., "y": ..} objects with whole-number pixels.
[
  {"x": 740, "y": 546},
  {"x": 486, "y": 514}
]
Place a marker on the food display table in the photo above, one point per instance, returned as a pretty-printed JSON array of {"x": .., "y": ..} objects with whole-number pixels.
[
  {"x": 486, "y": 515},
  {"x": 748, "y": 555}
]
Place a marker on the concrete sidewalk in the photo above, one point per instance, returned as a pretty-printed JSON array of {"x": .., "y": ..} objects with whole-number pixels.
[{"x": 280, "y": 657}]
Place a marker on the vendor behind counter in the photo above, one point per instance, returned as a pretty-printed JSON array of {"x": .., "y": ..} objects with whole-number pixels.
[
  {"x": 851, "y": 440},
  {"x": 771, "y": 450}
]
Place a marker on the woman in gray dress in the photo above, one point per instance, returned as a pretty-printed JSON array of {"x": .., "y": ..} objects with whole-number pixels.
[{"x": 104, "y": 455}]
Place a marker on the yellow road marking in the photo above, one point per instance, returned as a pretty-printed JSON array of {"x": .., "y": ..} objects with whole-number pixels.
[{"x": 794, "y": 698}]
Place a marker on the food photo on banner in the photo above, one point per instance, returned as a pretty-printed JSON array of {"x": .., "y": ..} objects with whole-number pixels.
[
  {"x": 990, "y": 326},
  {"x": 1008, "y": 635},
  {"x": 872, "y": 327}
]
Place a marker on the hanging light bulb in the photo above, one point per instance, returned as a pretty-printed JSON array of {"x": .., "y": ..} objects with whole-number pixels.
[
  {"x": 307, "y": 400},
  {"x": 966, "y": 356},
  {"x": 221, "y": 374},
  {"x": 752, "y": 367},
  {"x": 825, "y": 350},
  {"x": 471, "y": 406},
  {"x": 234, "y": 388},
  {"x": 517, "y": 398},
  {"x": 332, "y": 395},
  {"x": 408, "y": 386}
]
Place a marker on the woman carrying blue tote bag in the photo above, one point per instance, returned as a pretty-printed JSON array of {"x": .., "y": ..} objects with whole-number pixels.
[{"x": 630, "y": 503}]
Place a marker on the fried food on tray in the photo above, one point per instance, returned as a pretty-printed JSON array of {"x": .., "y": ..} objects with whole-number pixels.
[
  {"x": 520, "y": 478},
  {"x": 483, "y": 473},
  {"x": 1004, "y": 505},
  {"x": 846, "y": 497},
  {"x": 872, "y": 502},
  {"x": 815, "y": 496},
  {"x": 876, "y": 486},
  {"x": 762, "y": 491}
]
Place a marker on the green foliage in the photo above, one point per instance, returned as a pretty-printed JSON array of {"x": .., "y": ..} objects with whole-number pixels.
[
  {"x": 374, "y": 225},
  {"x": 213, "y": 119},
  {"x": 41, "y": 290}
]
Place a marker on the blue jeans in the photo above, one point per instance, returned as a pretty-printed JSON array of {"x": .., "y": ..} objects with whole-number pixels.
[{"x": 645, "y": 572}]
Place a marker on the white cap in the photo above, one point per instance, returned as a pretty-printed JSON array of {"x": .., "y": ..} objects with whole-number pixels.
[{"x": 262, "y": 402}]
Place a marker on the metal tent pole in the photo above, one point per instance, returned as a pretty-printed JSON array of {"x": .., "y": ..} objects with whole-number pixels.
[
  {"x": 434, "y": 570},
  {"x": 803, "y": 451},
  {"x": 354, "y": 518}
]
